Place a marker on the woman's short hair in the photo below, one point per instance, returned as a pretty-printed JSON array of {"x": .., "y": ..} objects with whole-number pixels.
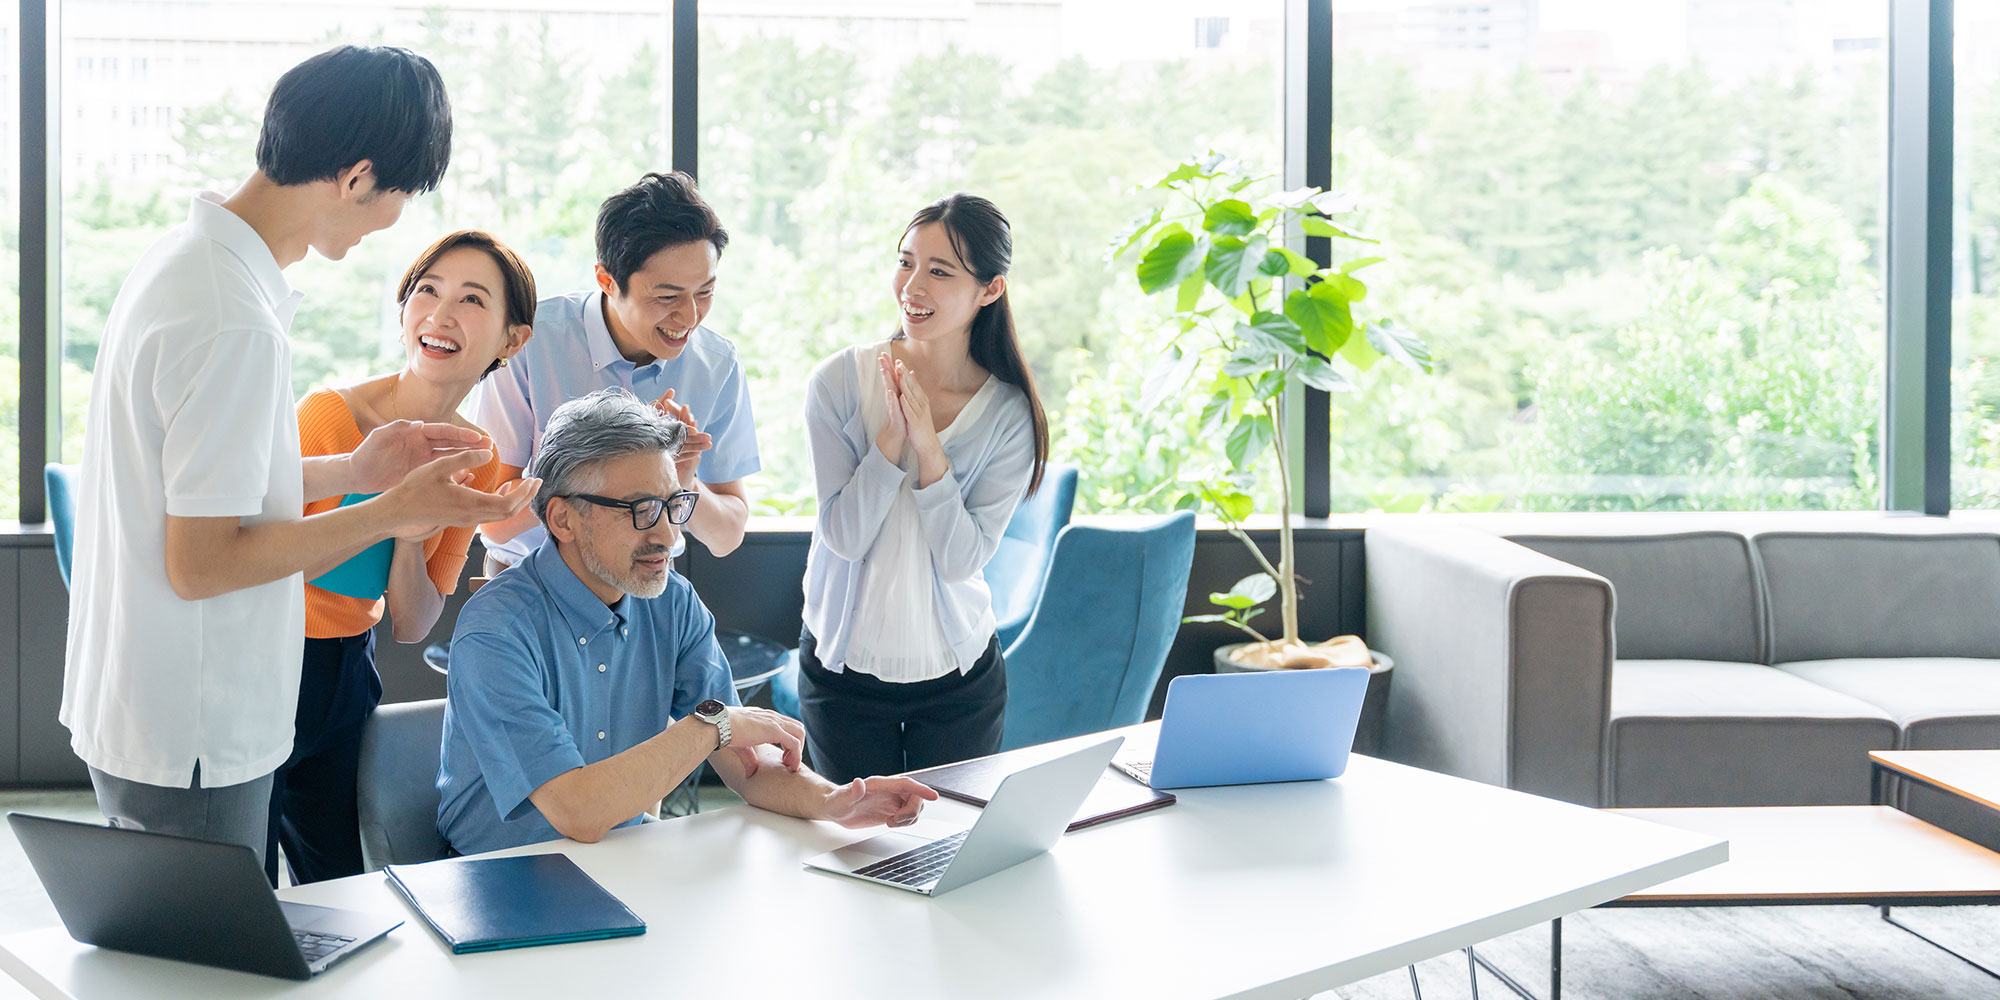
[
  {"x": 606, "y": 424},
  {"x": 382, "y": 104},
  {"x": 518, "y": 296},
  {"x": 661, "y": 211}
]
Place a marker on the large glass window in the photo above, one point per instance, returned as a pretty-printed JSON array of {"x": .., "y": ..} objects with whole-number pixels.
[
  {"x": 1975, "y": 477},
  {"x": 10, "y": 262},
  {"x": 1644, "y": 242},
  {"x": 826, "y": 126},
  {"x": 554, "y": 107}
]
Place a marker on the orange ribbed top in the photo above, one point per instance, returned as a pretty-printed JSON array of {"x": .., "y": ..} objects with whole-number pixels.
[{"x": 327, "y": 427}]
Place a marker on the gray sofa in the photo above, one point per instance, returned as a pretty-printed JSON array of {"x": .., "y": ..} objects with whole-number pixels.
[{"x": 1621, "y": 662}]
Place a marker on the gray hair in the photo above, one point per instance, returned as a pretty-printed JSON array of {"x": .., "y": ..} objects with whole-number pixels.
[{"x": 609, "y": 423}]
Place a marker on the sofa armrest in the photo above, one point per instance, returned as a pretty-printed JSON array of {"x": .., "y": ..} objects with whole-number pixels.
[{"x": 1503, "y": 659}]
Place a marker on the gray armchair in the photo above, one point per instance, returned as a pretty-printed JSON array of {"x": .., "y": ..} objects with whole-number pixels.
[{"x": 396, "y": 785}]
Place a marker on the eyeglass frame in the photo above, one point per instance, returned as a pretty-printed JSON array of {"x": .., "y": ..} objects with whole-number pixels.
[{"x": 632, "y": 506}]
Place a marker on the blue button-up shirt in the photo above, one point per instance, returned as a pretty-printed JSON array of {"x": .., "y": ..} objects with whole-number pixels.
[
  {"x": 572, "y": 354},
  {"x": 545, "y": 678}
]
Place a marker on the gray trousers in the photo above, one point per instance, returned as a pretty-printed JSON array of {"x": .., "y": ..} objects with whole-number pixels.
[{"x": 232, "y": 814}]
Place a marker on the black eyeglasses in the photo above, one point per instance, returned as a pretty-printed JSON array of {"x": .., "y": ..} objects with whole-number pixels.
[{"x": 646, "y": 511}]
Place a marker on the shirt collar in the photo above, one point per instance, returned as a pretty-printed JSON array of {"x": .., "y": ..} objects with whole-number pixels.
[
  {"x": 597, "y": 334},
  {"x": 582, "y": 611},
  {"x": 209, "y": 219}
]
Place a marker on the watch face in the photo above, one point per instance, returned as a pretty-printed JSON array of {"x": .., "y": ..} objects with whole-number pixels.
[{"x": 710, "y": 707}]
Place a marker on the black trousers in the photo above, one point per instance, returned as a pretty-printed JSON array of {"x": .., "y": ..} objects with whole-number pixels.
[
  {"x": 313, "y": 814},
  {"x": 858, "y": 725}
]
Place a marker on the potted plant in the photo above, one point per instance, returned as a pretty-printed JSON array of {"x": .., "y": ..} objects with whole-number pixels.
[{"x": 1253, "y": 321}]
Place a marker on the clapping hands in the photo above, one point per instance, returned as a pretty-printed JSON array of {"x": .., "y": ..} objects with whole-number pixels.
[
  {"x": 698, "y": 441},
  {"x": 909, "y": 418}
]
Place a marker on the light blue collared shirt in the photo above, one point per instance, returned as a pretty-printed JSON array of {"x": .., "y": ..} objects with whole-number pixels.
[
  {"x": 545, "y": 679},
  {"x": 963, "y": 514},
  {"x": 572, "y": 354}
]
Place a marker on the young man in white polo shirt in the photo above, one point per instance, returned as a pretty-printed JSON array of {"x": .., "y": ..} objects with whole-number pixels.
[{"x": 188, "y": 610}]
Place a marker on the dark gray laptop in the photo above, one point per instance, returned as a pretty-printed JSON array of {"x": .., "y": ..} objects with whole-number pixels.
[{"x": 190, "y": 900}]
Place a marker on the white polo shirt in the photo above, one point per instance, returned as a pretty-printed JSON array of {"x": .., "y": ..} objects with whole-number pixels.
[{"x": 190, "y": 415}]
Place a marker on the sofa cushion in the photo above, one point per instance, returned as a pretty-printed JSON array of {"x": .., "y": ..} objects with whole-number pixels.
[
  {"x": 1878, "y": 594},
  {"x": 1691, "y": 595},
  {"x": 1940, "y": 703},
  {"x": 1716, "y": 733}
]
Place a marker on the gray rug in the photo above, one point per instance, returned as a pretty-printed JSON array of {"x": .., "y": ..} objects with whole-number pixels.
[{"x": 1727, "y": 953}]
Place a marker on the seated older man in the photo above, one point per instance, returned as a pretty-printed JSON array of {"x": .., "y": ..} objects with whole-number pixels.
[{"x": 586, "y": 682}]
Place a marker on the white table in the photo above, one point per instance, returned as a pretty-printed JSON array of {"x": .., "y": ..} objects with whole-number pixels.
[{"x": 1252, "y": 891}]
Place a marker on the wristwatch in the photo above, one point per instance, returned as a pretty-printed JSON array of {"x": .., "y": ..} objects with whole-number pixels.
[{"x": 715, "y": 714}]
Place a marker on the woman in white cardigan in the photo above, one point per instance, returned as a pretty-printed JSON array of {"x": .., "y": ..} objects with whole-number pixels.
[{"x": 921, "y": 446}]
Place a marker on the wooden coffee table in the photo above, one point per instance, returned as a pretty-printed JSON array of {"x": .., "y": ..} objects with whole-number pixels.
[{"x": 1873, "y": 855}]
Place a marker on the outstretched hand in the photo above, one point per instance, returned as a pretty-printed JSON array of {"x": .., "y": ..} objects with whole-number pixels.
[
  {"x": 867, "y": 802},
  {"x": 395, "y": 449}
]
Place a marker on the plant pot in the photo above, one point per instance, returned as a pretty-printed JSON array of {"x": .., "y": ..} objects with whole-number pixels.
[{"x": 1374, "y": 704}]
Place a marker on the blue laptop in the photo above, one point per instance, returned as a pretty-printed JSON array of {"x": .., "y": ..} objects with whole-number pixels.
[{"x": 1238, "y": 729}]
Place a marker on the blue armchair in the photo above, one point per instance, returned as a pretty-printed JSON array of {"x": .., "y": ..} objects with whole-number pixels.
[
  {"x": 1014, "y": 573},
  {"x": 60, "y": 480},
  {"x": 1092, "y": 653}
]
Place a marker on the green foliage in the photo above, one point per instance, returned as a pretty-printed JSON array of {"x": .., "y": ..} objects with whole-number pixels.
[{"x": 1229, "y": 246}]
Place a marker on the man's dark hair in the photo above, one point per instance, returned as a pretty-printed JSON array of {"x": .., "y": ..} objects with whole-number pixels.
[
  {"x": 661, "y": 211},
  {"x": 382, "y": 104}
]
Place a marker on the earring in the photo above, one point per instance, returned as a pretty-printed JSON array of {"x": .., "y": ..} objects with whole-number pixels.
[{"x": 502, "y": 362}]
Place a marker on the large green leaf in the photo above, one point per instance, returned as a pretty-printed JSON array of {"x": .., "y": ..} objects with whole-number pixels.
[
  {"x": 1174, "y": 256},
  {"x": 1358, "y": 263},
  {"x": 1400, "y": 344},
  {"x": 1323, "y": 376},
  {"x": 1132, "y": 235},
  {"x": 1359, "y": 353},
  {"x": 1168, "y": 376},
  {"x": 1275, "y": 264},
  {"x": 1325, "y": 321},
  {"x": 1232, "y": 505},
  {"x": 1273, "y": 330},
  {"x": 1186, "y": 171},
  {"x": 1248, "y": 440},
  {"x": 1314, "y": 225},
  {"x": 1232, "y": 260},
  {"x": 1216, "y": 412},
  {"x": 1299, "y": 264},
  {"x": 1249, "y": 592},
  {"x": 1229, "y": 217},
  {"x": 1190, "y": 293}
]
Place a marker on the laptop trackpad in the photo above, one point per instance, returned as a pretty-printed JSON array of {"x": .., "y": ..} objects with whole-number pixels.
[{"x": 867, "y": 852}]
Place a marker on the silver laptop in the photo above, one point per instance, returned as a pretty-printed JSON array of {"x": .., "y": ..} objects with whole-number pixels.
[
  {"x": 1025, "y": 817},
  {"x": 190, "y": 900}
]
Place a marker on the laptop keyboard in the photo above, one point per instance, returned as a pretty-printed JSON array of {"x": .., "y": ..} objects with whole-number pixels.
[
  {"x": 1140, "y": 769},
  {"x": 318, "y": 946},
  {"x": 917, "y": 866}
]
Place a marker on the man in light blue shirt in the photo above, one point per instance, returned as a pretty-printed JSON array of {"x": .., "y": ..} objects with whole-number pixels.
[
  {"x": 586, "y": 682},
  {"x": 658, "y": 244}
]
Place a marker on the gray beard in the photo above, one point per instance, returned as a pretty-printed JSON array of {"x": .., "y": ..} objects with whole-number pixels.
[{"x": 627, "y": 581}]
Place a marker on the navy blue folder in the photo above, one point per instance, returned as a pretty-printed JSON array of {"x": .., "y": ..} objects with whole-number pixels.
[{"x": 486, "y": 904}]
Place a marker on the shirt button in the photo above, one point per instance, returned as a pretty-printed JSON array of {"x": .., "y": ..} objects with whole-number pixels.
[
  {"x": 600, "y": 734},
  {"x": 581, "y": 641},
  {"x": 600, "y": 668},
  {"x": 624, "y": 631}
]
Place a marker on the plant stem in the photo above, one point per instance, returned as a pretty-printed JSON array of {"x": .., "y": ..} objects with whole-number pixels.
[
  {"x": 1253, "y": 633},
  {"x": 1288, "y": 589}
]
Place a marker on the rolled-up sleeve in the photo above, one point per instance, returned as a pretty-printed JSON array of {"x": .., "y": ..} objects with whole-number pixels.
[{"x": 517, "y": 737}]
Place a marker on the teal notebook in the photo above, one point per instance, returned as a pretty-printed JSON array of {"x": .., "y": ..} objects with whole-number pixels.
[
  {"x": 365, "y": 576},
  {"x": 487, "y": 904}
]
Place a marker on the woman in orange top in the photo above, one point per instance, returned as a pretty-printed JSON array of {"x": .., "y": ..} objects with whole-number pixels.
[{"x": 468, "y": 304}]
